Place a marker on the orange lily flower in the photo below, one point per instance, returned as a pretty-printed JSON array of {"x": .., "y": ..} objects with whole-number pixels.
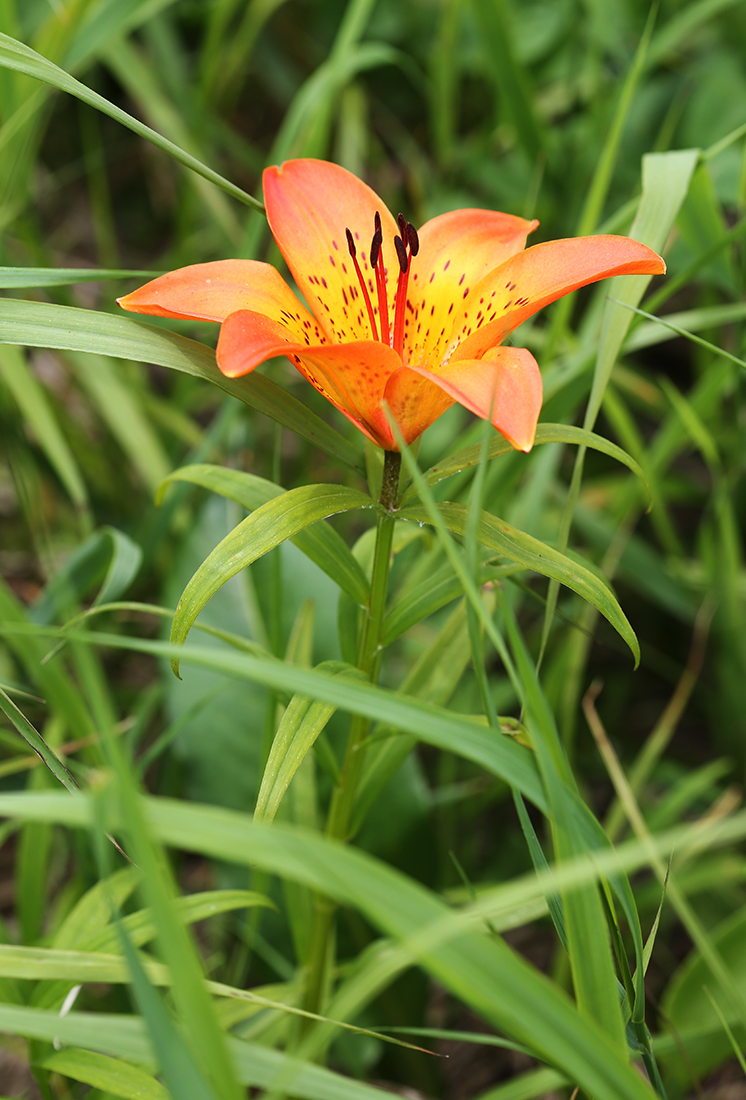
[{"x": 409, "y": 320}]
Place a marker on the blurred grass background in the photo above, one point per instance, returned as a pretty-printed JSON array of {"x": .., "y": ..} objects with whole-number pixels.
[{"x": 541, "y": 108}]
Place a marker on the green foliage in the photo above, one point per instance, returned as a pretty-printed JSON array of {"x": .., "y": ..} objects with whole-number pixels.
[{"x": 326, "y": 857}]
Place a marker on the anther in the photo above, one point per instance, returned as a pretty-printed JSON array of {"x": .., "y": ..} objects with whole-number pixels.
[
  {"x": 375, "y": 248},
  {"x": 402, "y": 227},
  {"x": 401, "y": 252},
  {"x": 351, "y": 244},
  {"x": 412, "y": 239}
]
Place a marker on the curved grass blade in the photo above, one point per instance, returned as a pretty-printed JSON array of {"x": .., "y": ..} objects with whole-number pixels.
[
  {"x": 321, "y": 543},
  {"x": 111, "y": 1075},
  {"x": 34, "y": 405},
  {"x": 545, "y": 433},
  {"x": 483, "y": 971},
  {"x": 41, "y": 325},
  {"x": 267, "y": 527},
  {"x": 21, "y": 58},
  {"x": 35, "y": 741},
  {"x": 126, "y": 1037},
  {"x": 108, "y": 553},
  {"x": 180, "y": 1072},
  {"x": 682, "y": 332},
  {"x": 435, "y": 725},
  {"x": 301, "y": 724},
  {"x": 15, "y": 278},
  {"x": 416, "y": 603},
  {"x": 533, "y": 554}
]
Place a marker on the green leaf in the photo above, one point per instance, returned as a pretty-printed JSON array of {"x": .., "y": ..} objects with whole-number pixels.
[
  {"x": 460, "y": 734},
  {"x": 689, "y": 320},
  {"x": 687, "y": 1005},
  {"x": 271, "y": 524},
  {"x": 120, "y": 407},
  {"x": 321, "y": 543},
  {"x": 195, "y": 1062},
  {"x": 301, "y": 724},
  {"x": 594, "y": 980},
  {"x": 177, "y": 1066},
  {"x": 533, "y": 554},
  {"x": 416, "y": 603},
  {"x": 664, "y": 321},
  {"x": 15, "y": 278},
  {"x": 126, "y": 1037},
  {"x": 21, "y": 58},
  {"x": 107, "y": 556},
  {"x": 40, "y": 325},
  {"x": 545, "y": 433},
  {"x": 35, "y": 741},
  {"x": 141, "y": 928},
  {"x": 34, "y": 405},
  {"x": 665, "y": 181},
  {"x": 108, "y": 1074},
  {"x": 484, "y": 972}
]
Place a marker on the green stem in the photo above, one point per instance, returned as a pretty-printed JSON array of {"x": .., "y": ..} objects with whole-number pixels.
[{"x": 369, "y": 662}]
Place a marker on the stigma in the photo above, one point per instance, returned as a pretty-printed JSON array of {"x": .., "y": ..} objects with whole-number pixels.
[{"x": 407, "y": 245}]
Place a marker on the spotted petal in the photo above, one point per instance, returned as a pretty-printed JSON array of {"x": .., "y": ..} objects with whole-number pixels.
[
  {"x": 351, "y": 376},
  {"x": 414, "y": 402},
  {"x": 503, "y": 387},
  {"x": 310, "y": 204},
  {"x": 532, "y": 279},
  {"x": 210, "y": 292},
  {"x": 457, "y": 250}
]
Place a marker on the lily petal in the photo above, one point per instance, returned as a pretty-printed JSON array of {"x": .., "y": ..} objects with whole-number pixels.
[
  {"x": 457, "y": 250},
  {"x": 210, "y": 292},
  {"x": 356, "y": 374},
  {"x": 248, "y": 339},
  {"x": 504, "y": 387},
  {"x": 532, "y": 279},
  {"x": 414, "y": 402},
  {"x": 310, "y": 204},
  {"x": 351, "y": 376}
]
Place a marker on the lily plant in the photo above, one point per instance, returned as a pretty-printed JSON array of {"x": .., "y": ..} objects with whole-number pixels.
[{"x": 394, "y": 325}]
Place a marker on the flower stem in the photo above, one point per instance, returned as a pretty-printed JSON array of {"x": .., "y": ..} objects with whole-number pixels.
[{"x": 369, "y": 662}]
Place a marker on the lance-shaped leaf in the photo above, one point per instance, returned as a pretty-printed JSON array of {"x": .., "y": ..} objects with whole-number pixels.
[
  {"x": 541, "y": 558},
  {"x": 301, "y": 724},
  {"x": 267, "y": 527},
  {"x": 321, "y": 543},
  {"x": 40, "y": 325},
  {"x": 545, "y": 433},
  {"x": 16, "y": 55}
]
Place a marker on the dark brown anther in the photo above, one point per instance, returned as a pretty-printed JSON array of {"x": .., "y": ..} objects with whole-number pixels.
[
  {"x": 402, "y": 227},
  {"x": 401, "y": 252},
  {"x": 375, "y": 246},
  {"x": 412, "y": 239},
  {"x": 351, "y": 244},
  {"x": 377, "y": 223}
]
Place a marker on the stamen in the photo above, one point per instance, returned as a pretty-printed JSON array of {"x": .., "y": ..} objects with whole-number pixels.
[
  {"x": 363, "y": 287},
  {"x": 408, "y": 237},
  {"x": 376, "y": 262}
]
